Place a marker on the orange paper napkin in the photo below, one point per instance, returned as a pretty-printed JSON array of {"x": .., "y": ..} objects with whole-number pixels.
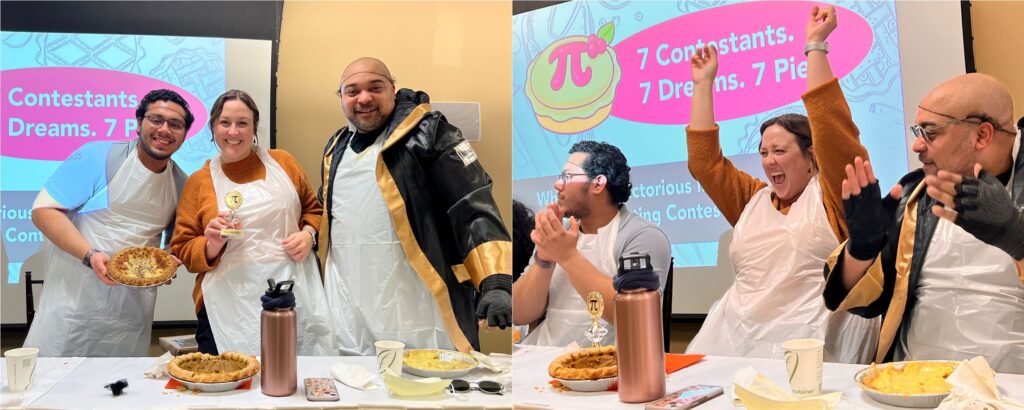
[
  {"x": 174, "y": 385},
  {"x": 673, "y": 363}
]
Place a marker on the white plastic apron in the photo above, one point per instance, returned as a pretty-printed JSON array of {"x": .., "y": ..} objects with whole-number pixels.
[
  {"x": 567, "y": 319},
  {"x": 78, "y": 314},
  {"x": 777, "y": 293},
  {"x": 970, "y": 302},
  {"x": 373, "y": 292},
  {"x": 270, "y": 211}
]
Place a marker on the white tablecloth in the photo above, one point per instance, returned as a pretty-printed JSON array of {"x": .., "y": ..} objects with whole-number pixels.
[
  {"x": 77, "y": 383},
  {"x": 530, "y": 366}
]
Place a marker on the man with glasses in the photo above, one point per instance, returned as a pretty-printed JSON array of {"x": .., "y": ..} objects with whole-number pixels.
[
  {"x": 108, "y": 195},
  {"x": 417, "y": 251},
  {"x": 948, "y": 240},
  {"x": 575, "y": 258}
]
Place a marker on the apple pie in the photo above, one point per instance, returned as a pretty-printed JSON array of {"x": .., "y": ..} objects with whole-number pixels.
[
  {"x": 141, "y": 266},
  {"x": 206, "y": 368},
  {"x": 585, "y": 364}
]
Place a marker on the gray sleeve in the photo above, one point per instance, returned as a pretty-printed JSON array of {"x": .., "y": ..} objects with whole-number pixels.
[{"x": 649, "y": 240}]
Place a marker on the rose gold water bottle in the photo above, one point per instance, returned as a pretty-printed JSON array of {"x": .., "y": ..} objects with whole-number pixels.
[
  {"x": 638, "y": 333},
  {"x": 278, "y": 341}
]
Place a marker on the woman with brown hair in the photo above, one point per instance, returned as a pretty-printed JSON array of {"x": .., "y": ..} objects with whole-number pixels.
[
  {"x": 265, "y": 195},
  {"x": 783, "y": 230}
]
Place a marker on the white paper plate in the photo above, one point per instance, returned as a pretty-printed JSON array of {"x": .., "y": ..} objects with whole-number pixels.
[
  {"x": 902, "y": 400},
  {"x": 589, "y": 385},
  {"x": 443, "y": 355},
  {"x": 211, "y": 387}
]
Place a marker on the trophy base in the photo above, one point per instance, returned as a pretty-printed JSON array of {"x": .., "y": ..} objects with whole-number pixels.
[{"x": 231, "y": 233}]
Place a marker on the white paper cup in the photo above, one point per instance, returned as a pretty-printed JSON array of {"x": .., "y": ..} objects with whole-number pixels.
[
  {"x": 21, "y": 366},
  {"x": 803, "y": 365},
  {"x": 389, "y": 356}
]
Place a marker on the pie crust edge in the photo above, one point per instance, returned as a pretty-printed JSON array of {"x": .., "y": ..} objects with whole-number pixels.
[
  {"x": 126, "y": 278},
  {"x": 252, "y": 366},
  {"x": 559, "y": 369}
]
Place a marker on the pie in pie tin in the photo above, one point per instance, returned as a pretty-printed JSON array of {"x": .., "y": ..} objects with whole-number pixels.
[
  {"x": 207, "y": 368},
  {"x": 592, "y": 363},
  {"x": 141, "y": 266}
]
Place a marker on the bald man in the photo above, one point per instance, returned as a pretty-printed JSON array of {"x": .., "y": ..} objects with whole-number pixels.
[
  {"x": 939, "y": 256},
  {"x": 417, "y": 251}
]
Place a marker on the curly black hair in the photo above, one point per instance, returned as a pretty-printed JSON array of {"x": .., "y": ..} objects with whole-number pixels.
[
  {"x": 164, "y": 95},
  {"x": 606, "y": 159},
  {"x": 522, "y": 245}
]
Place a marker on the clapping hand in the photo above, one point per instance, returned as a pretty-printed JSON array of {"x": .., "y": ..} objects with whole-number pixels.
[
  {"x": 868, "y": 215},
  {"x": 553, "y": 240},
  {"x": 981, "y": 206}
]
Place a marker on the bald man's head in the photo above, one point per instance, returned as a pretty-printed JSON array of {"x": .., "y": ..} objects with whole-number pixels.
[
  {"x": 968, "y": 119},
  {"x": 367, "y": 93},
  {"x": 973, "y": 94},
  {"x": 367, "y": 65}
]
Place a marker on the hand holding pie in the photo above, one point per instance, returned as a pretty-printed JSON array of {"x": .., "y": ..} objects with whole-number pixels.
[{"x": 141, "y": 266}]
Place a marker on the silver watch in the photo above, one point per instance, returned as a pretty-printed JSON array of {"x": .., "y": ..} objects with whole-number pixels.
[{"x": 809, "y": 47}]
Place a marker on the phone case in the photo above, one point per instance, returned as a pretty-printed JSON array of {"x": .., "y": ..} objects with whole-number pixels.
[
  {"x": 686, "y": 398},
  {"x": 321, "y": 389}
]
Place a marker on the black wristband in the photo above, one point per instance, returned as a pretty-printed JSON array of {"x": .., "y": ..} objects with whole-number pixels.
[{"x": 498, "y": 281}]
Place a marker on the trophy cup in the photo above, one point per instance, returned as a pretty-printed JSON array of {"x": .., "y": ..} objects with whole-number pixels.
[
  {"x": 233, "y": 200},
  {"x": 595, "y": 306}
]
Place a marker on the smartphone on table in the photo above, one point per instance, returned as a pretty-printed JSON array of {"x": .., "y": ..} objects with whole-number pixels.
[
  {"x": 321, "y": 389},
  {"x": 686, "y": 398}
]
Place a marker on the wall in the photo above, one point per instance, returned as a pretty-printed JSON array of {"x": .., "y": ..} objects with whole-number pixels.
[
  {"x": 456, "y": 51},
  {"x": 998, "y": 41}
]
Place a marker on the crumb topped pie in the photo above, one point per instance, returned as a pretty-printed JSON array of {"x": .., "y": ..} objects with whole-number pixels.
[
  {"x": 585, "y": 364},
  {"x": 141, "y": 266},
  {"x": 206, "y": 368}
]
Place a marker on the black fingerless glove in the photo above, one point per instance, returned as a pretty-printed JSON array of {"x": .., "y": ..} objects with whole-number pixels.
[
  {"x": 868, "y": 217},
  {"x": 987, "y": 212},
  {"x": 496, "y": 300}
]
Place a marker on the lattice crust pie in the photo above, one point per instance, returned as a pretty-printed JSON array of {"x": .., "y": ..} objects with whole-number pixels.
[
  {"x": 141, "y": 266},
  {"x": 206, "y": 368},
  {"x": 585, "y": 364}
]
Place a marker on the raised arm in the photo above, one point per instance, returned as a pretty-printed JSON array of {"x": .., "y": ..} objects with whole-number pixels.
[
  {"x": 729, "y": 188},
  {"x": 834, "y": 136}
]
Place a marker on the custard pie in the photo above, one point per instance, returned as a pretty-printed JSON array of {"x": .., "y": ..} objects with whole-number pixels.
[
  {"x": 141, "y": 266},
  {"x": 585, "y": 364},
  {"x": 206, "y": 368}
]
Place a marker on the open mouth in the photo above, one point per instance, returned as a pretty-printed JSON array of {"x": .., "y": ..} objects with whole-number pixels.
[
  {"x": 778, "y": 178},
  {"x": 232, "y": 141}
]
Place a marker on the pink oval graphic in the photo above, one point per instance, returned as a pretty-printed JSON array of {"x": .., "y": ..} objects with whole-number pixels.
[
  {"x": 761, "y": 61},
  {"x": 48, "y": 112}
]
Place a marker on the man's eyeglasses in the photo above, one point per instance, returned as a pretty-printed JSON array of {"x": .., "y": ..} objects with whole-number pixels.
[
  {"x": 159, "y": 121},
  {"x": 486, "y": 386},
  {"x": 567, "y": 176},
  {"x": 929, "y": 131}
]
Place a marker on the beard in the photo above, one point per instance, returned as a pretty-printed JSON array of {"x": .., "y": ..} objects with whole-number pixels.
[
  {"x": 144, "y": 144},
  {"x": 582, "y": 208}
]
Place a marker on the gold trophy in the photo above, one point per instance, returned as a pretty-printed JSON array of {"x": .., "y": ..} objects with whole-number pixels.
[
  {"x": 595, "y": 306},
  {"x": 233, "y": 200}
]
